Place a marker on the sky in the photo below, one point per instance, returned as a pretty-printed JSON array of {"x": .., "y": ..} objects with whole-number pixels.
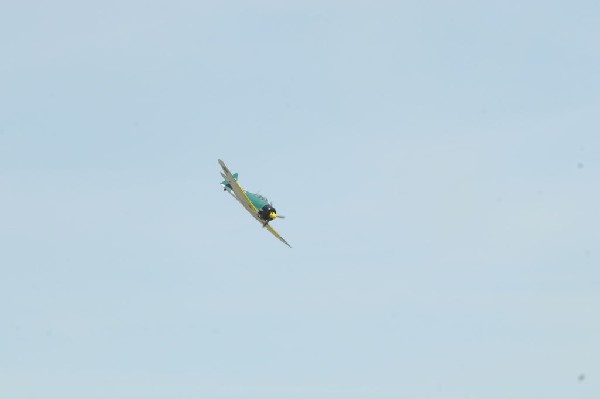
[{"x": 438, "y": 163}]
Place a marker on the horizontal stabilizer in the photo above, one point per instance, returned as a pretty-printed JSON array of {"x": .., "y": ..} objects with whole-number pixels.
[{"x": 226, "y": 183}]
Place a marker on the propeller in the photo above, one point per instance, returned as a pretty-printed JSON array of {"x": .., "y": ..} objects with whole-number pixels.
[
  {"x": 273, "y": 206},
  {"x": 268, "y": 213}
]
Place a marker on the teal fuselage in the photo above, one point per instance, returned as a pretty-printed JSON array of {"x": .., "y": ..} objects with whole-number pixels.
[
  {"x": 257, "y": 200},
  {"x": 265, "y": 210}
]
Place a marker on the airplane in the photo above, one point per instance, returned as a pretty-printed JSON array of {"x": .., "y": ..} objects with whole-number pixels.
[{"x": 258, "y": 206}]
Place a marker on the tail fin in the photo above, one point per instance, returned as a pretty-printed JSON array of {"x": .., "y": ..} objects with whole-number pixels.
[{"x": 226, "y": 183}]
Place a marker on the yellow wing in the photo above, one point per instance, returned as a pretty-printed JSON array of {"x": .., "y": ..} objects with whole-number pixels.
[
  {"x": 276, "y": 234},
  {"x": 239, "y": 192}
]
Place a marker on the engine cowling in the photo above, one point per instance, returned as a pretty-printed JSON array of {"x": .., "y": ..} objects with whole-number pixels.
[{"x": 267, "y": 213}]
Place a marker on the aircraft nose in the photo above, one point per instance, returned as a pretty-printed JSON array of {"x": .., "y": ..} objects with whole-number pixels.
[{"x": 272, "y": 215}]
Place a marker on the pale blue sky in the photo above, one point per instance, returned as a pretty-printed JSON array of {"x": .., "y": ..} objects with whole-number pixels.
[{"x": 438, "y": 163}]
